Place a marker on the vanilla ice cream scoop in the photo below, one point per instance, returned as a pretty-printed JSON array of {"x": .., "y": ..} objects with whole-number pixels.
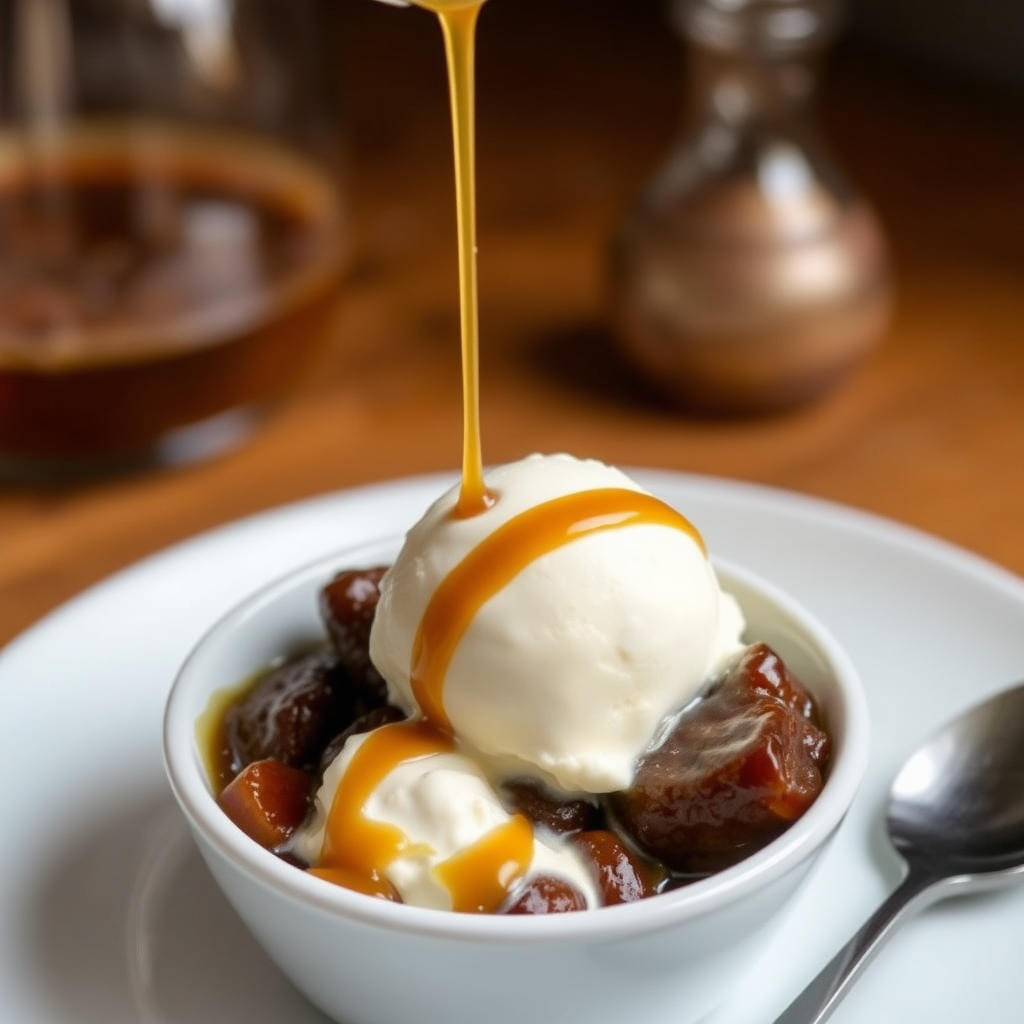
[{"x": 554, "y": 632}]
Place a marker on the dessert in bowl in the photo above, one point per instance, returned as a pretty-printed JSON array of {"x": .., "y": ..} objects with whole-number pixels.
[{"x": 671, "y": 955}]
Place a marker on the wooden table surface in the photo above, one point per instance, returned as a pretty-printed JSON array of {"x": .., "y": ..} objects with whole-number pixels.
[{"x": 573, "y": 113}]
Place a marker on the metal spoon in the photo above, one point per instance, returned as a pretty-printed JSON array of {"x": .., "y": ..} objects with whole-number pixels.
[{"x": 956, "y": 815}]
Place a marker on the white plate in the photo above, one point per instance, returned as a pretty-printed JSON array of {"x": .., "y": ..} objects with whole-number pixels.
[{"x": 107, "y": 915}]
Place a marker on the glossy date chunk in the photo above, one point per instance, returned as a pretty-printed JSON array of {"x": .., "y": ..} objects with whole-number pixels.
[
  {"x": 545, "y": 894},
  {"x": 622, "y": 875},
  {"x": 737, "y": 769},
  {"x": 348, "y": 604},
  {"x": 559, "y": 814},
  {"x": 290, "y": 714},
  {"x": 268, "y": 800}
]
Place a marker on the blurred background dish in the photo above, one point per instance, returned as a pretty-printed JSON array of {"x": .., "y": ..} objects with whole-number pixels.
[{"x": 171, "y": 224}]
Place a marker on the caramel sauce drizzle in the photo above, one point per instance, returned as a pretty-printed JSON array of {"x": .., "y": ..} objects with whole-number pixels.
[{"x": 501, "y": 556}]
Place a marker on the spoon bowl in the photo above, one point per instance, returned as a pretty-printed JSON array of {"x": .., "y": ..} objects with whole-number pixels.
[
  {"x": 956, "y": 817},
  {"x": 959, "y": 799}
]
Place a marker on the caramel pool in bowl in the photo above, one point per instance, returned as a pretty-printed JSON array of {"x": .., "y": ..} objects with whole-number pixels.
[{"x": 669, "y": 958}]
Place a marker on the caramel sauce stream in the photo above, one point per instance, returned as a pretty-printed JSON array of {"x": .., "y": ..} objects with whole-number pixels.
[
  {"x": 357, "y": 849},
  {"x": 458, "y": 25}
]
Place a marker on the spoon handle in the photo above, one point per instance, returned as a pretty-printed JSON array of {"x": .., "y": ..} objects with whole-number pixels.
[{"x": 817, "y": 1001}]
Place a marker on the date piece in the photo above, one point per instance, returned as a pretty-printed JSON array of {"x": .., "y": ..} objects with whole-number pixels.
[
  {"x": 736, "y": 771},
  {"x": 559, "y": 814},
  {"x": 290, "y": 714},
  {"x": 268, "y": 800},
  {"x": 347, "y": 606},
  {"x": 622, "y": 875},
  {"x": 545, "y": 894}
]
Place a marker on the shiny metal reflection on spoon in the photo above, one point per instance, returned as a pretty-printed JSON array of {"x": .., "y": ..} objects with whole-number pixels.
[{"x": 956, "y": 816}]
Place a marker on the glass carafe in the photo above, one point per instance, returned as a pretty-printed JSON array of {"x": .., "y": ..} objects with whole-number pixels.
[{"x": 749, "y": 275}]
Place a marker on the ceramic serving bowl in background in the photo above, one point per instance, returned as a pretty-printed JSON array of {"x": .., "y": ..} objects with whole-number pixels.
[{"x": 668, "y": 959}]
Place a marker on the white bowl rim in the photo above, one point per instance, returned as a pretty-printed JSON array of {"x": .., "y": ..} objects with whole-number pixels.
[{"x": 690, "y": 902}]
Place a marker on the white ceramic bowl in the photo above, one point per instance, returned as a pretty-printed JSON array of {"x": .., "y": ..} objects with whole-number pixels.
[{"x": 668, "y": 959}]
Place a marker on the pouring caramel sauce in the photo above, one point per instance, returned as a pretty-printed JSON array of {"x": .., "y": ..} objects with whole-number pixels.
[{"x": 357, "y": 849}]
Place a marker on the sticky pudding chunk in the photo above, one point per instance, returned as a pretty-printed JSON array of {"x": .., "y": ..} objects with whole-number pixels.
[{"x": 733, "y": 773}]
